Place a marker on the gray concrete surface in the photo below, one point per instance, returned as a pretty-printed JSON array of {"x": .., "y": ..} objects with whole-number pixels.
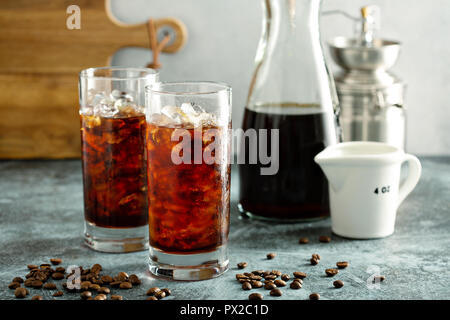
[{"x": 41, "y": 217}]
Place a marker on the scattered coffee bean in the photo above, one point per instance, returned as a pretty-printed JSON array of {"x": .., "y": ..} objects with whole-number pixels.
[
  {"x": 268, "y": 281},
  {"x": 28, "y": 282},
  {"x": 285, "y": 277},
  {"x": 115, "y": 284},
  {"x": 50, "y": 286},
  {"x": 14, "y": 285},
  {"x": 258, "y": 272},
  {"x": 315, "y": 256},
  {"x": 303, "y": 240},
  {"x": 241, "y": 276},
  {"x": 100, "y": 296},
  {"x": 37, "y": 284},
  {"x": 152, "y": 291},
  {"x": 134, "y": 279},
  {"x": 314, "y": 296},
  {"x": 60, "y": 269},
  {"x": 152, "y": 298},
  {"x": 342, "y": 264},
  {"x": 276, "y": 292},
  {"x": 96, "y": 268},
  {"x": 378, "y": 279},
  {"x": 270, "y": 277},
  {"x": 167, "y": 291},
  {"x": 246, "y": 286},
  {"x": 58, "y": 294},
  {"x": 266, "y": 273},
  {"x": 20, "y": 293},
  {"x": 256, "y": 284},
  {"x": 280, "y": 283},
  {"x": 86, "y": 295},
  {"x": 94, "y": 287},
  {"x": 32, "y": 266},
  {"x": 242, "y": 265},
  {"x": 295, "y": 285},
  {"x": 17, "y": 279},
  {"x": 104, "y": 290},
  {"x": 244, "y": 280},
  {"x": 126, "y": 285},
  {"x": 160, "y": 294},
  {"x": 55, "y": 261},
  {"x": 299, "y": 275},
  {"x": 106, "y": 279},
  {"x": 271, "y": 255},
  {"x": 37, "y": 298},
  {"x": 276, "y": 272},
  {"x": 314, "y": 261},
  {"x": 57, "y": 276},
  {"x": 324, "y": 239},
  {"x": 331, "y": 272},
  {"x": 255, "y": 278},
  {"x": 255, "y": 296},
  {"x": 45, "y": 265},
  {"x": 338, "y": 284},
  {"x": 122, "y": 276},
  {"x": 248, "y": 274},
  {"x": 298, "y": 280},
  {"x": 116, "y": 297},
  {"x": 84, "y": 286},
  {"x": 270, "y": 286}
]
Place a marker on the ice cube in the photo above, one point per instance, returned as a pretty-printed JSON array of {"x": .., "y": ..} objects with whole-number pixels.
[
  {"x": 105, "y": 110},
  {"x": 162, "y": 120},
  {"x": 174, "y": 113}
]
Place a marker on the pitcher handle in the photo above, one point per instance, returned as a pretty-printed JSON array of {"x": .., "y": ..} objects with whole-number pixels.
[{"x": 414, "y": 172}]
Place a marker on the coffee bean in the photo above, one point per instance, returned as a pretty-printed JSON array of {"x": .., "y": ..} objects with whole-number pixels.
[
  {"x": 331, "y": 272},
  {"x": 256, "y": 284},
  {"x": 122, "y": 276},
  {"x": 298, "y": 280},
  {"x": 280, "y": 283},
  {"x": 266, "y": 273},
  {"x": 160, "y": 294},
  {"x": 246, "y": 286},
  {"x": 248, "y": 274},
  {"x": 295, "y": 285},
  {"x": 314, "y": 261},
  {"x": 58, "y": 276},
  {"x": 255, "y": 277},
  {"x": 32, "y": 266},
  {"x": 285, "y": 277},
  {"x": 258, "y": 272},
  {"x": 100, "y": 296},
  {"x": 303, "y": 240},
  {"x": 270, "y": 277},
  {"x": 276, "y": 292},
  {"x": 338, "y": 284},
  {"x": 276, "y": 272},
  {"x": 116, "y": 297},
  {"x": 270, "y": 286},
  {"x": 314, "y": 296},
  {"x": 152, "y": 298},
  {"x": 106, "y": 279},
  {"x": 17, "y": 279},
  {"x": 20, "y": 293},
  {"x": 324, "y": 239},
  {"x": 378, "y": 279},
  {"x": 255, "y": 296},
  {"x": 134, "y": 279},
  {"x": 244, "y": 280},
  {"x": 14, "y": 285},
  {"x": 104, "y": 290},
  {"x": 268, "y": 281},
  {"x": 241, "y": 276},
  {"x": 86, "y": 295},
  {"x": 37, "y": 284},
  {"x": 271, "y": 255},
  {"x": 45, "y": 265},
  {"x": 242, "y": 265},
  {"x": 115, "y": 284},
  {"x": 342, "y": 264},
  {"x": 152, "y": 291},
  {"x": 58, "y": 294},
  {"x": 94, "y": 287},
  {"x": 167, "y": 291},
  {"x": 96, "y": 268},
  {"x": 37, "y": 298},
  {"x": 50, "y": 286},
  {"x": 55, "y": 261},
  {"x": 60, "y": 269},
  {"x": 28, "y": 282},
  {"x": 126, "y": 285},
  {"x": 84, "y": 286},
  {"x": 315, "y": 256},
  {"x": 300, "y": 275}
]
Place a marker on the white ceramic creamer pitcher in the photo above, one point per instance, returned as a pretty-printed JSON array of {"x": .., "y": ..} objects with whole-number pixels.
[{"x": 364, "y": 184}]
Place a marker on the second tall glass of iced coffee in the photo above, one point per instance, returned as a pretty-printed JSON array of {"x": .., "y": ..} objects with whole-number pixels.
[{"x": 188, "y": 153}]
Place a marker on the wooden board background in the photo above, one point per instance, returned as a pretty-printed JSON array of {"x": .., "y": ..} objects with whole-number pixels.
[{"x": 39, "y": 63}]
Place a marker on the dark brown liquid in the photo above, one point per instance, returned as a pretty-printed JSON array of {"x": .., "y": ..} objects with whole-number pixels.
[
  {"x": 299, "y": 191},
  {"x": 114, "y": 171}
]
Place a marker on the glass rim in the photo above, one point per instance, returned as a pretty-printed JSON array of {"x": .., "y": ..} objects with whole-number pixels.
[
  {"x": 89, "y": 73},
  {"x": 220, "y": 87}
]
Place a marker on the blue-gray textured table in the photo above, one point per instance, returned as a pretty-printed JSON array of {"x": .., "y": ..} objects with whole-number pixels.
[{"x": 41, "y": 216}]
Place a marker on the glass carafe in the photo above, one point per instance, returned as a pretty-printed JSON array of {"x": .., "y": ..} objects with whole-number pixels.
[{"x": 291, "y": 91}]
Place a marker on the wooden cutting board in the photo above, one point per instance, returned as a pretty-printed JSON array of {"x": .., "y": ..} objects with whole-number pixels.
[{"x": 39, "y": 63}]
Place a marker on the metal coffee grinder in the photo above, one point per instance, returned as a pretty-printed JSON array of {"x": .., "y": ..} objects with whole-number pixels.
[{"x": 371, "y": 97}]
